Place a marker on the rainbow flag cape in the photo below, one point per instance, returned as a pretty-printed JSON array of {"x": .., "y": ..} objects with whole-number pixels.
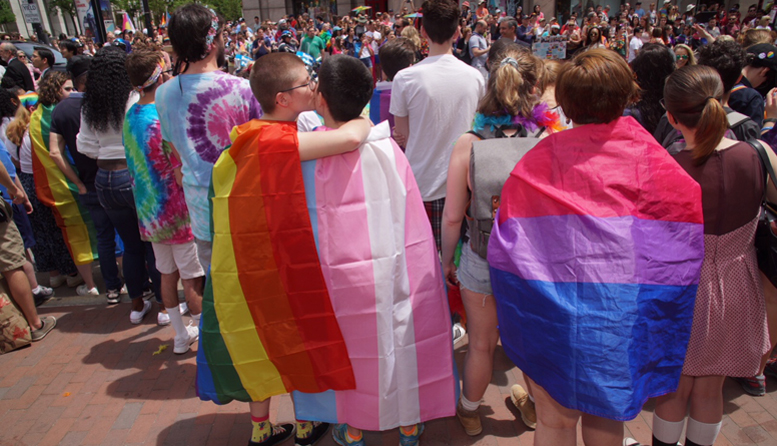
[
  {"x": 267, "y": 324},
  {"x": 126, "y": 23},
  {"x": 60, "y": 194},
  {"x": 380, "y": 264},
  {"x": 29, "y": 101},
  {"x": 595, "y": 259},
  {"x": 379, "y": 105}
]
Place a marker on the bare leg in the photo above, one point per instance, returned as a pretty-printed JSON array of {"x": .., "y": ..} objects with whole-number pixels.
[
  {"x": 29, "y": 271},
  {"x": 556, "y": 425},
  {"x": 673, "y": 406},
  {"x": 707, "y": 399},
  {"x": 169, "y": 288},
  {"x": 86, "y": 272},
  {"x": 21, "y": 293},
  {"x": 598, "y": 431},
  {"x": 770, "y": 294},
  {"x": 260, "y": 409},
  {"x": 483, "y": 337},
  {"x": 193, "y": 289}
]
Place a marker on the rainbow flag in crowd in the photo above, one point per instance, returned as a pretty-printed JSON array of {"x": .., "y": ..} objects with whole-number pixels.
[
  {"x": 29, "y": 101},
  {"x": 267, "y": 325},
  {"x": 126, "y": 23},
  {"x": 380, "y": 262},
  {"x": 60, "y": 194},
  {"x": 595, "y": 259},
  {"x": 379, "y": 105}
]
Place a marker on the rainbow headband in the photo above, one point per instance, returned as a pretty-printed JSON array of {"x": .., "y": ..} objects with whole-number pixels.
[
  {"x": 152, "y": 79},
  {"x": 214, "y": 29}
]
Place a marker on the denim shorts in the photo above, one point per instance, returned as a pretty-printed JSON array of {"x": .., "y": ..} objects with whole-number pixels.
[{"x": 473, "y": 272}]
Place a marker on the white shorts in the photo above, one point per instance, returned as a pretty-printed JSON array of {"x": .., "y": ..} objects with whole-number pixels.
[{"x": 181, "y": 257}]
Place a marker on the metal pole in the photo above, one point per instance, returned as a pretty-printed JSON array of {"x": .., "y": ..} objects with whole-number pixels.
[{"x": 147, "y": 17}]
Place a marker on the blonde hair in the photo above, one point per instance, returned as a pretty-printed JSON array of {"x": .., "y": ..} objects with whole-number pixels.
[
  {"x": 692, "y": 95},
  {"x": 18, "y": 127},
  {"x": 413, "y": 36},
  {"x": 514, "y": 84},
  {"x": 755, "y": 36},
  {"x": 691, "y": 56}
]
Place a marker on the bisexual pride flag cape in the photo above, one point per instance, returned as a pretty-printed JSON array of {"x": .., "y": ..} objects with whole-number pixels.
[
  {"x": 380, "y": 263},
  {"x": 60, "y": 194},
  {"x": 595, "y": 259},
  {"x": 267, "y": 324},
  {"x": 380, "y": 102}
]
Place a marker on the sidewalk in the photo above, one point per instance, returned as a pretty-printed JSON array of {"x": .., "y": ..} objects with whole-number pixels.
[{"x": 96, "y": 380}]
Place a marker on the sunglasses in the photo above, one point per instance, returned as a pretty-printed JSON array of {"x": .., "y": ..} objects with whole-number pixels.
[{"x": 679, "y": 57}]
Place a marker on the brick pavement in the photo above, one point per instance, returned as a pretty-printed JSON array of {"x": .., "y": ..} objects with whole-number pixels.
[{"x": 95, "y": 380}]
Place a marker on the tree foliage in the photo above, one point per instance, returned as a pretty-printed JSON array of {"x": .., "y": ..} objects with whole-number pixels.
[
  {"x": 229, "y": 9},
  {"x": 6, "y": 13}
]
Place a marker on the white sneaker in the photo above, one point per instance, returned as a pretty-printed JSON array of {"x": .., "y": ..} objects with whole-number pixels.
[
  {"x": 162, "y": 318},
  {"x": 57, "y": 281},
  {"x": 83, "y": 290},
  {"x": 123, "y": 290},
  {"x": 182, "y": 345},
  {"x": 136, "y": 317},
  {"x": 628, "y": 441},
  {"x": 458, "y": 333},
  {"x": 183, "y": 307},
  {"x": 74, "y": 281}
]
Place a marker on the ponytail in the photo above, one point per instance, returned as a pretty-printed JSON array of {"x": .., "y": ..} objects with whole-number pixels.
[
  {"x": 513, "y": 77},
  {"x": 712, "y": 125}
]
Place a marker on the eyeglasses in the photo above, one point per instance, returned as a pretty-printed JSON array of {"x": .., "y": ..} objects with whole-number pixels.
[
  {"x": 681, "y": 57},
  {"x": 311, "y": 83},
  {"x": 662, "y": 103}
]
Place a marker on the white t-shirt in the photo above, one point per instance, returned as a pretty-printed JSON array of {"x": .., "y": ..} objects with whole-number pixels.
[
  {"x": 375, "y": 40},
  {"x": 634, "y": 45},
  {"x": 439, "y": 95},
  {"x": 25, "y": 154}
]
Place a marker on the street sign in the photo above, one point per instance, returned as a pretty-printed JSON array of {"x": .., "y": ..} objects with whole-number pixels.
[{"x": 31, "y": 13}]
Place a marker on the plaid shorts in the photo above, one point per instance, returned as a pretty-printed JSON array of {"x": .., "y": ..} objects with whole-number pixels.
[{"x": 434, "y": 212}]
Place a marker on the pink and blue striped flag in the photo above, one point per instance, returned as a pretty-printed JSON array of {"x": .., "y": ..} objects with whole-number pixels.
[
  {"x": 380, "y": 264},
  {"x": 595, "y": 259}
]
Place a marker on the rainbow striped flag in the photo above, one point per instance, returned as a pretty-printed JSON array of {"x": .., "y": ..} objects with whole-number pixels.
[
  {"x": 60, "y": 194},
  {"x": 595, "y": 259},
  {"x": 380, "y": 262},
  {"x": 267, "y": 325},
  {"x": 379, "y": 105},
  {"x": 29, "y": 101}
]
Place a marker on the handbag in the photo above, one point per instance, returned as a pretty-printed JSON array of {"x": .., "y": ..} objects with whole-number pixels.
[
  {"x": 765, "y": 238},
  {"x": 14, "y": 331}
]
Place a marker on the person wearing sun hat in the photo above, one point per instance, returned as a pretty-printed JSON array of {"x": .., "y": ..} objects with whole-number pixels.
[{"x": 757, "y": 74}]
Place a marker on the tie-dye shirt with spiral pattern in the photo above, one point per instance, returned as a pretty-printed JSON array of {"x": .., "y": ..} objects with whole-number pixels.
[{"x": 159, "y": 199}]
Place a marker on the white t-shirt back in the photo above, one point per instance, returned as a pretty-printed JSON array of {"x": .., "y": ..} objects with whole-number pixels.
[
  {"x": 634, "y": 45},
  {"x": 439, "y": 95}
]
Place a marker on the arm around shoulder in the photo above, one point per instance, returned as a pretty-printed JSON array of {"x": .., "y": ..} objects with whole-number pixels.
[{"x": 348, "y": 137}]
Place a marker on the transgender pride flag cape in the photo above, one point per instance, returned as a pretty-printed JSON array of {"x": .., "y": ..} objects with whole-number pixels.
[
  {"x": 595, "y": 258},
  {"x": 60, "y": 194},
  {"x": 267, "y": 324},
  {"x": 380, "y": 264}
]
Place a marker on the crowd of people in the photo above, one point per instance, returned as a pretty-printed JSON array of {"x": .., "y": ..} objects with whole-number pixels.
[{"x": 596, "y": 214}]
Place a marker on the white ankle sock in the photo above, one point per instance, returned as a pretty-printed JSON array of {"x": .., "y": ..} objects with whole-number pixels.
[
  {"x": 176, "y": 320},
  {"x": 667, "y": 431},
  {"x": 196, "y": 318},
  {"x": 702, "y": 433},
  {"x": 469, "y": 405},
  {"x": 36, "y": 289}
]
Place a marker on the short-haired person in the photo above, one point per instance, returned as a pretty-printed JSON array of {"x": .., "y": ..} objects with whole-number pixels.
[
  {"x": 508, "y": 28},
  {"x": 758, "y": 73},
  {"x": 282, "y": 85},
  {"x": 68, "y": 48},
  {"x": 428, "y": 117},
  {"x": 729, "y": 333},
  {"x": 553, "y": 289},
  {"x": 163, "y": 218},
  {"x": 312, "y": 44},
  {"x": 43, "y": 60},
  {"x": 16, "y": 72},
  {"x": 395, "y": 55},
  {"x": 410, "y": 396},
  {"x": 478, "y": 48}
]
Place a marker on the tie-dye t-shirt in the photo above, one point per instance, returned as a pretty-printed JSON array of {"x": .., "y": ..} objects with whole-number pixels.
[
  {"x": 197, "y": 112},
  {"x": 159, "y": 200}
]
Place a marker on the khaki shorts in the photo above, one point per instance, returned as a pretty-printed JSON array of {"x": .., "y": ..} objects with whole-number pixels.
[
  {"x": 180, "y": 257},
  {"x": 11, "y": 244},
  {"x": 204, "y": 252}
]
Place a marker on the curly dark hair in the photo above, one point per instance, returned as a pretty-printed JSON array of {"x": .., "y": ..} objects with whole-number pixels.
[
  {"x": 9, "y": 102},
  {"x": 727, "y": 58},
  {"x": 653, "y": 65},
  {"x": 107, "y": 90},
  {"x": 50, "y": 88}
]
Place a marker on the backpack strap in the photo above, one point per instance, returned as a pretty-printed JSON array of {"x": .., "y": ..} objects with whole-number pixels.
[
  {"x": 735, "y": 118},
  {"x": 765, "y": 163},
  {"x": 478, "y": 135}
]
